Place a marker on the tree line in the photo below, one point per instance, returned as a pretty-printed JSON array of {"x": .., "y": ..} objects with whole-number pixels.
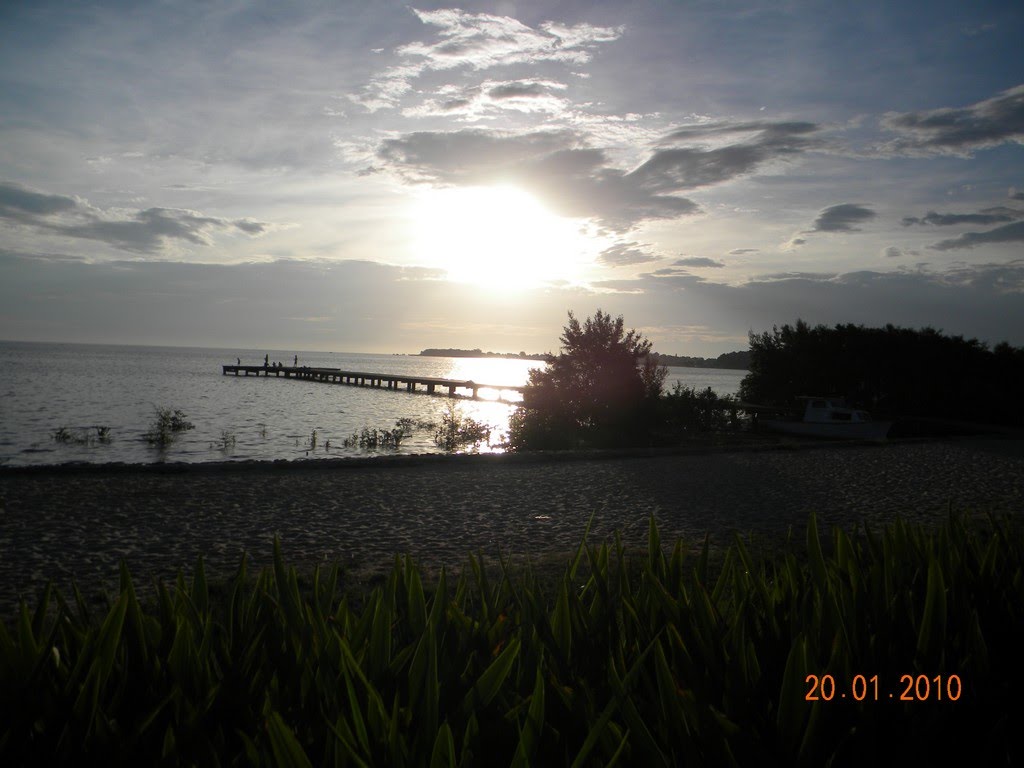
[
  {"x": 606, "y": 388},
  {"x": 898, "y": 373}
]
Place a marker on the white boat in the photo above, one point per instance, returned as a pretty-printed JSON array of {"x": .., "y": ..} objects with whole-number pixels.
[{"x": 829, "y": 417}]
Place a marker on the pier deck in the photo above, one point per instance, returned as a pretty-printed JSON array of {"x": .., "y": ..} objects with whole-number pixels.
[{"x": 394, "y": 381}]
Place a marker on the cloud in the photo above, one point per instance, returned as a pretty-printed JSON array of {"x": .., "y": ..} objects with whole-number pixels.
[
  {"x": 481, "y": 41},
  {"x": 697, "y": 261},
  {"x": 842, "y": 218},
  {"x": 580, "y": 180},
  {"x": 1010, "y": 233},
  {"x": 625, "y": 254},
  {"x": 143, "y": 231},
  {"x": 988, "y": 123},
  {"x": 1013, "y": 194},
  {"x": 20, "y": 204},
  {"x": 741, "y": 251},
  {"x": 892, "y": 252},
  {"x": 988, "y": 216},
  {"x": 573, "y": 179},
  {"x": 491, "y": 98},
  {"x": 690, "y": 167}
]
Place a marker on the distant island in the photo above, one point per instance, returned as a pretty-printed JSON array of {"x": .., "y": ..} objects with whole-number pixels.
[
  {"x": 739, "y": 361},
  {"x": 478, "y": 353},
  {"x": 733, "y": 360}
]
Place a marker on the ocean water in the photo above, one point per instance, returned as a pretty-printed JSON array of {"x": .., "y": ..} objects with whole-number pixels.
[{"x": 45, "y": 388}]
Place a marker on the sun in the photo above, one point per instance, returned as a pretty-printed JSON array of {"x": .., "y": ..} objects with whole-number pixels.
[{"x": 499, "y": 237}]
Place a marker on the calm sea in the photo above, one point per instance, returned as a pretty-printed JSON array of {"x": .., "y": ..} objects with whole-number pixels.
[{"x": 75, "y": 387}]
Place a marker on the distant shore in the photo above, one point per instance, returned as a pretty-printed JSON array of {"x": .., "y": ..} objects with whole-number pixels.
[
  {"x": 733, "y": 361},
  {"x": 77, "y": 522}
]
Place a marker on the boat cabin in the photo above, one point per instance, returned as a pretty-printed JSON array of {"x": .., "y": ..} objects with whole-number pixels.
[{"x": 827, "y": 410}]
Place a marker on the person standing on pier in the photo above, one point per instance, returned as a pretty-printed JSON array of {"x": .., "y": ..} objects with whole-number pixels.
[
  {"x": 296, "y": 361},
  {"x": 239, "y": 360},
  {"x": 266, "y": 361}
]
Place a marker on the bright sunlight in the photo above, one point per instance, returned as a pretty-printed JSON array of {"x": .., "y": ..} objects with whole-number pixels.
[{"x": 500, "y": 238}]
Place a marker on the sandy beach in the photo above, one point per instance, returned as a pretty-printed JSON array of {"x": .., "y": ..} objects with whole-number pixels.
[{"x": 78, "y": 522}]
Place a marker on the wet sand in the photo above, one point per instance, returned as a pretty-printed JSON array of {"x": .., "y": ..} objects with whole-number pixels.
[{"x": 63, "y": 523}]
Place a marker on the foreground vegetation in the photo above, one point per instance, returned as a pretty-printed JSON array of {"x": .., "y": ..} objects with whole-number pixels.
[{"x": 645, "y": 659}]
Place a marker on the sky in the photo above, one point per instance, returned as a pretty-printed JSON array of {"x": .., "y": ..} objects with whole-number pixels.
[{"x": 383, "y": 177}]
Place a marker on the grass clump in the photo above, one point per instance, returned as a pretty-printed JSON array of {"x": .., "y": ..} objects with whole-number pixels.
[
  {"x": 87, "y": 436},
  {"x": 374, "y": 439},
  {"x": 166, "y": 426},
  {"x": 643, "y": 659}
]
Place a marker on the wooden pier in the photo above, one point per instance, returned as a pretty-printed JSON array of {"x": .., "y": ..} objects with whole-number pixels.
[{"x": 395, "y": 381}]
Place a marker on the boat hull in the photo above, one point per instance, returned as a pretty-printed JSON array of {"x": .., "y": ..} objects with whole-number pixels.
[{"x": 858, "y": 430}]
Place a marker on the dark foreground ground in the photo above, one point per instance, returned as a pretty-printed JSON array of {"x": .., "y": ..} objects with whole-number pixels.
[{"x": 64, "y": 523}]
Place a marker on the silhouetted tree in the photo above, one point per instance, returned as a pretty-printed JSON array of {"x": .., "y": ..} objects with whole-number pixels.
[
  {"x": 599, "y": 391},
  {"x": 896, "y": 372}
]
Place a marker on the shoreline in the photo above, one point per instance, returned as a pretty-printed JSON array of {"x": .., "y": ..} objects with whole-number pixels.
[
  {"x": 763, "y": 443},
  {"x": 67, "y": 522}
]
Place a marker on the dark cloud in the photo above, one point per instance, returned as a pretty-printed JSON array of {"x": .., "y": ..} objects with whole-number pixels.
[
  {"x": 949, "y": 219},
  {"x": 691, "y": 167},
  {"x": 624, "y": 254},
  {"x": 842, "y": 218},
  {"x": 473, "y": 155},
  {"x": 1014, "y": 195},
  {"x": 892, "y": 252},
  {"x": 251, "y": 227},
  {"x": 773, "y": 134},
  {"x": 518, "y": 89},
  {"x": 988, "y": 123},
  {"x": 571, "y": 178},
  {"x": 1010, "y": 233},
  {"x": 697, "y": 261},
  {"x": 20, "y": 204},
  {"x": 741, "y": 251},
  {"x": 580, "y": 180},
  {"x": 145, "y": 231}
]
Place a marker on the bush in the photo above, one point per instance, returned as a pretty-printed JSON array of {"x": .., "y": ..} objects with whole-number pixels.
[
  {"x": 600, "y": 391},
  {"x": 685, "y": 410},
  {"x": 166, "y": 426},
  {"x": 458, "y": 431}
]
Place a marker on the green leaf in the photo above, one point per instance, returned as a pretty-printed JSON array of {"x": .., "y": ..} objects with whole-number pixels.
[
  {"x": 529, "y": 736},
  {"x": 490, "y": 682},
  {"x": 444, "y": 748},
  {"x": 285, "y": 747},
  {"x": 932, "y": 631},
  {"x": 792, "y": 704},
  {"x": 561, "y": 622}
]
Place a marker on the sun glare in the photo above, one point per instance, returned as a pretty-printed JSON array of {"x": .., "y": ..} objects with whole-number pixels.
[{"x": 500, "y": 238}]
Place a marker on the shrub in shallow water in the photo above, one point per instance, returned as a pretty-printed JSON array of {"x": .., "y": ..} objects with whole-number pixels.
[
  {"x": 644, "y": 659},
  {"x": 166, "y": 426},
  {"x": 381, "y": 438},
  {"x": 82, "y": 435},
  {"x": 458, "y": 430}
]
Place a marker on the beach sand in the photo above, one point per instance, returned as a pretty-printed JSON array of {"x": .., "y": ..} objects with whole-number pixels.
[{"x": 78, "y": 522}]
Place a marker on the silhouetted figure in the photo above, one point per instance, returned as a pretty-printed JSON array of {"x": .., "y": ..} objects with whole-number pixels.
[
  {"x": 239, "y": 360},
  {"x": 266, "y": 361}
]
